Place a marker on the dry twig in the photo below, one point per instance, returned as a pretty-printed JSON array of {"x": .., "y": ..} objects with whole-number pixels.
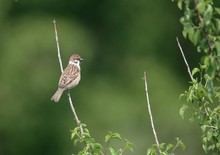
[
  {"x": 184, "y": 58},
  {"x": 150, "y": 113}
]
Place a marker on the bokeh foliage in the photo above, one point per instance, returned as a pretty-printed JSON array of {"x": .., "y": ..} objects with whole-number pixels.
[{"x": 118, "y": 40}]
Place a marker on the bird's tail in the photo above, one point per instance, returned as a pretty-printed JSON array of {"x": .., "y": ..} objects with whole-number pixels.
[{"x": 57, "y": 95}]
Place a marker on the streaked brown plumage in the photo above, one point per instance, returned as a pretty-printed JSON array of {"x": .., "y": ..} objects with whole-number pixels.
[{"x": 69, "y": 78}]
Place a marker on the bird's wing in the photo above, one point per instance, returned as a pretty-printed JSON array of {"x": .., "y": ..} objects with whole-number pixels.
[{"x": 68, "y": 76}]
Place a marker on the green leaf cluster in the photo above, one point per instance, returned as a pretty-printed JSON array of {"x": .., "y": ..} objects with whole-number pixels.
[
  {"x": 165, "y": 149},
  {"x": 211, "y": 132},
  {"x": 90, "y": 147},
  {"x": 201, "y": 25},
  {"x": 202, "y": 98},
  {"x": 117, "y": 151}
]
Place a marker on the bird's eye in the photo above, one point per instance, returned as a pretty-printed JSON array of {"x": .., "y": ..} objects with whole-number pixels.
[{"x": 76, "y": 61}]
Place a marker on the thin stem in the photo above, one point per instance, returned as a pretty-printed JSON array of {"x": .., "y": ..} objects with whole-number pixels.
[
  {"x": 206, "y": 112},
  {"x": 58, "y": 47},
  {"x": 213, "y": 127},
  {"x": 177, "y": 144},
  {"x": 74, "y": 113},
  {"x": 107, "y": 147},
  {"x": 184, "y": 58},
  {"x": 68, "y": 93},
  {"x": 150, "y": 113}
]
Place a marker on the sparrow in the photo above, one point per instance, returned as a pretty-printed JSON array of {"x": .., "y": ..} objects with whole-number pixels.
[{"x": 69, "y": 78}]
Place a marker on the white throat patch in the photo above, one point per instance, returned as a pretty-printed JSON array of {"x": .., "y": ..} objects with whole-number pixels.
[{"x": 75, "y": 63}]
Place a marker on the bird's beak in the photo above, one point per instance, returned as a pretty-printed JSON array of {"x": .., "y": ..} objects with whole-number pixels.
[{"x": 81, "y": 60}]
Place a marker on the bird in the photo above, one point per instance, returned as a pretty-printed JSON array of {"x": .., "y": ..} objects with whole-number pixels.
[{"x": 69, "y": 78}]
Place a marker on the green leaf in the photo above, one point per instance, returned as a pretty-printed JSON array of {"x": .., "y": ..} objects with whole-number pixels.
[
  {"x": 169, "y": 147},
  {"x": 107, "y": 138},
  {"x": 195, "y": 70},
  {"x": 207, "y": 77},
  {"x": 182, "y": 145},
  {"x": 116, "y": 136},
  {"x": 182, "y": 111},
  {"x": 208, "y": 14},
  {"x": 217, "y": 10},
  {"x": 191, "y": 33},
  {"x": 203, "y": 127},
  {"x": 97, "y": 147},
  {"x": 179, "y": 143},
  {"x": 209, "y": 9},
  {"x": 184, "y": 33},
  {"x": 182, "y": 95},
  {"x": 113, "y": 151},
  {"x": 73, "y": 134},
  {"x": 128, "y": 145},
  {"x": 86, "y": 130},
  {"x": 76, "y": 141},
  {"x": 217, "y": 43},
  {"x": 151, "y": 151},
  {"x": 112, "y": 136},
  {"x": 180, "y": 4},
  {"x": 87, "y": 135},
  {"x": 203, "y": 67},
  {"x": 162, "y": 145},
  {"x": 201, "y": 7},
  {"x": 195, "y": 36},
  {"x": 210, "y": 88},
  {"x": 205, "y": 148}
]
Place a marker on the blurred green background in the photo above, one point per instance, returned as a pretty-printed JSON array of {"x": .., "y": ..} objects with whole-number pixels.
[{"x": 118, "y": 40}]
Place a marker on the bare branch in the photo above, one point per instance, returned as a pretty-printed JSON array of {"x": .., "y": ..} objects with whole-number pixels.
[
  {"x": 151, "y": 116},
  {"x": 184, "y": 58},
  {"x": 58, "y": 47},
  {"x": 68, "y": 93}
]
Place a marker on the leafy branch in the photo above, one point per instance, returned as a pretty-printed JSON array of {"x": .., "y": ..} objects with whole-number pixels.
[
  {"x": 201, "y": 25},
  {"x": 94, "y": 148}
]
